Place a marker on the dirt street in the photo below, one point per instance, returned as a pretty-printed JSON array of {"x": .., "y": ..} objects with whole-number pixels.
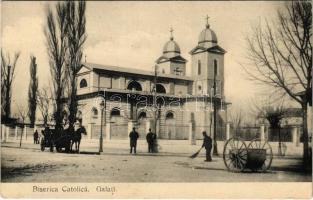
[{"x": 31, "y": 165}]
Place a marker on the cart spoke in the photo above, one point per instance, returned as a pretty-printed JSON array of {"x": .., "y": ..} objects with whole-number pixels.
[
  {"x": 229, "y": 161},
  {"x": 243, "y": 156},
  {"x": 237, "y": 163},
  {"x": 242, "y": 151},
  {"x": 242, "y": 159},
  {"x": 241, "y": 163},
  {"x": 240, "y": 146}
]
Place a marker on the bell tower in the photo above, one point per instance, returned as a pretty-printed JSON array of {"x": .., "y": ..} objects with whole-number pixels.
[
  {"x": 207, "y": 64},
  {"x": 171, "y": 62}
]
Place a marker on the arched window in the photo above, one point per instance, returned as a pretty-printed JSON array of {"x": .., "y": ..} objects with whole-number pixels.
[
  {"x": 115, "y": 112},
  {"x": 142, "y": 115},
  {"x": 160, "y": 88},
  {"x": 169, "y": 115},
  {"x": 215, "y": 67},
  {"x": 199, "y": 67},
  {"x": 94, "y": 113},
  {"x": 83, "y": 83},
  {"x": 135, "y": 86}
]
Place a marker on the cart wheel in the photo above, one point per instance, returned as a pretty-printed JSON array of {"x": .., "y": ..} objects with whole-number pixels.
[
  {"x": 259, "y": 144},
  {"x": 235, "y": 155}
]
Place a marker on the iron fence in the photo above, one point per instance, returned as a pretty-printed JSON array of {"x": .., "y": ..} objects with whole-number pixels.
[
  {"x": 245, "y": 133},
  {"x": 282, "y": 134}
]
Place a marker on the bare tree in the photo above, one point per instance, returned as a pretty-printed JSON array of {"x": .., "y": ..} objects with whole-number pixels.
[
  {"x": 44, "y": 104},
  {"x": 281, "y": 57},
  {"x": 22, "y": 115},
  {"x": 32, "y": 91},
  {"x": 55, "y": 32},
  {"x": 236, "y": 118},
  {"x": 273, "y": 114},
  {"x": 7, "y": 77},
  {"x": 76, "y": 38}
]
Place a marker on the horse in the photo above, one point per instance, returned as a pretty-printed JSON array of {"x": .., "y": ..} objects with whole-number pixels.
[{"x": 76, "y": 137}]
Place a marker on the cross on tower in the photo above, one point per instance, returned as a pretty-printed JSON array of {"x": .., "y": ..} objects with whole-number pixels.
[
  {"x": 207, "y": 20},
  {"x": 171, "y": 30}
]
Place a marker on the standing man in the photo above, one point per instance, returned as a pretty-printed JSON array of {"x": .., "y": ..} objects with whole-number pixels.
[
  {"x": 133, "y": 140},
  {"x": 207, "y": 144},
  {"x": 151, "y": 137},
  {"x": 36, "y": 137}
]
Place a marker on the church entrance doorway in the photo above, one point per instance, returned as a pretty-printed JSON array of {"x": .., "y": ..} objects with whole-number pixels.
[
  {"x": 118, "y": 126},
  {"x": 170, "y": 126},
  {"x": 142, "y": 120}
]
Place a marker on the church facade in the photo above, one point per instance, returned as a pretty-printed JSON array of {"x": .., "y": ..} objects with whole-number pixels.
[{"x": 164, "y": 99}]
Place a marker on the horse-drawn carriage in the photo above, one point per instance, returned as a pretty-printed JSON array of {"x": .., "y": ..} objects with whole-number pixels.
[
  {"x": 256, "y": 156},
  {"x": 56, "y": 139},
  {"x": 63, "y": 139}
]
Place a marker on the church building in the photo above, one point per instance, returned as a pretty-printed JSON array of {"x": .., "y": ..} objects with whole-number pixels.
[{"x": 166, "y": 99}]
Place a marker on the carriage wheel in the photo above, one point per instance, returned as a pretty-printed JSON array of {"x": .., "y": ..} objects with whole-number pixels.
[
  {"x": 235, "y": 155},
  {"x": 259, "y": 144}
]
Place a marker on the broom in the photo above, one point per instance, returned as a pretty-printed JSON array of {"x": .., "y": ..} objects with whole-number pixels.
[{"x": 195, "y": 154}]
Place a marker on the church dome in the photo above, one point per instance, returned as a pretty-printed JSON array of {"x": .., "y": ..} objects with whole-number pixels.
[
  {"x": 207, "y": 37},
  {"x": 171, "y": 48}
]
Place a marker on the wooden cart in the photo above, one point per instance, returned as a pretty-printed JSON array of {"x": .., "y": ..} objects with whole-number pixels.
[{"x": 257, "y": 156}]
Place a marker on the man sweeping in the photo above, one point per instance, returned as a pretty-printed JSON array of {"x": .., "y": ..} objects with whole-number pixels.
[{"x": 207, "y": 144}]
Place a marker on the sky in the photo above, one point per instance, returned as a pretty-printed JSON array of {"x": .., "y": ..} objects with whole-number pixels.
[{"x": 132, "y": 34}]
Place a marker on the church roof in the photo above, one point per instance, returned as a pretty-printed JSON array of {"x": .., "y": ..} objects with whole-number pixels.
[
  {"x": 207, "y": 42},
  {"x": 109, "y": 68},
  {"x": 215, "y": 49},
  {"x": 207, "y": 37},
  {"x": 171, "y": 46},
  {"x": 178, "y": 59}
]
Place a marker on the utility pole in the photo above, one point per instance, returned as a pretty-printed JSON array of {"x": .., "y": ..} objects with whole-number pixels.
[
  {"x": 156, "y": 108},
  {"x": 214, "y": 113},
  {"x": 102, "y": 104}
]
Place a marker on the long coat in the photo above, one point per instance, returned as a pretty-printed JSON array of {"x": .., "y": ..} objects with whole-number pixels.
[
  {"x": 207, "y": 143},
  {"x": 150, "y": 137},
  {"x": 133, "y": 138}
]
